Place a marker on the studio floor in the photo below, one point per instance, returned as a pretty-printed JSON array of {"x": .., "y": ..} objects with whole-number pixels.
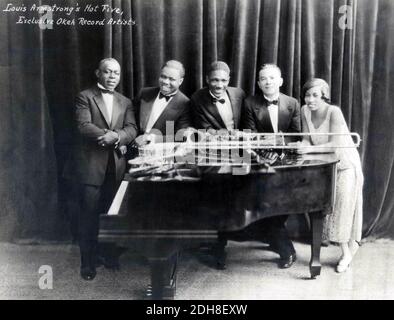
[{"x": 251, "y": 274}]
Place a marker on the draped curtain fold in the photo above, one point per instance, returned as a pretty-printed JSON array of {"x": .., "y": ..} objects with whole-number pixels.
[
  {"x": 27, "y": 161},
  {"x": 304, "y": 37}
]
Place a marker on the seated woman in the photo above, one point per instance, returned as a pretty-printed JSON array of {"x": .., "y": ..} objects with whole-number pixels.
[{"x": 344, "y": 225}]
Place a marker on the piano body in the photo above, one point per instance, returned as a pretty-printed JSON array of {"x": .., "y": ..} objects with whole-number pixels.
[{"x": 187, "y": 205}]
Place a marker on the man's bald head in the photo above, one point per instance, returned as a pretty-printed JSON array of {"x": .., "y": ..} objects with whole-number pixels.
[{"x": 108, "y": 73}]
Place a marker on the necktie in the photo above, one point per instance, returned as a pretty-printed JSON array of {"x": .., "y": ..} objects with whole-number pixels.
[
  {"x": 222, "y": 101},
  {"x": 273, "y": 112},
  {"x": 161, "y": 96},
  {"x": 106, "y": 91},
  {"x": 272, "y": 102}
]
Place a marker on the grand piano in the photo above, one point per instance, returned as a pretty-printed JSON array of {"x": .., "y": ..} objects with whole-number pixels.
[{"x": 182, "y": 205}]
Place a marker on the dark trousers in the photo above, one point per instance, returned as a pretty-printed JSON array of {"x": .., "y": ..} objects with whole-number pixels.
[
  {"x": 273, "y": 231},
  {"x": 94, "y": 200},
  {"x": 270, "y": 230}
]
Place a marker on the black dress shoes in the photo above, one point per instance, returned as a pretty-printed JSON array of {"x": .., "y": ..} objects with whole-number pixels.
[
  {"x": 220, "y": 265},
  {"x": 88, "y": 273},
  {"x": 287, "y": 262}
]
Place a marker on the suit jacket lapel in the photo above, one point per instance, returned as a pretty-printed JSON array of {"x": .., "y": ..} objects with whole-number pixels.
[
  {"x": 167, "y": 113},
  {"x": 235, "y": 106},
  {"x": 98, "y": 99},
  {"x": 146, "y": 105},
  {"x": 261, "y": 110},
  {"x": 282, "y": 114},
  {"x": 116, "y": 110},
  {"x": 212, "y": 109}
]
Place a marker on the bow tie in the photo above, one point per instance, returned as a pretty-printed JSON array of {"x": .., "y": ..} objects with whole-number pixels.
[
  {"x": 272, "y": 102},
  {"x": 106, "y": 91},
  {"x": 161, "y": 96},
  {"x": 222, "y": 101}
]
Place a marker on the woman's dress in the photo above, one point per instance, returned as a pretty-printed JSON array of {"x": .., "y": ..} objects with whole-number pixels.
[{"x": 345, "y": 222}]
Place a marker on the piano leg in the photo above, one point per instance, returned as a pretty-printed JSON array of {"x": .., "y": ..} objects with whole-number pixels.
[
  {"x": 317, "y": 232},
  {"x": 163, "y": 278},
  {"x": 219, "y": 252}
]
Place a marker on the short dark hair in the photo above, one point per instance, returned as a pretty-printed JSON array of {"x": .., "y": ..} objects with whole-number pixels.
[
  {"x": 218, "y": 65},
  {"x": 270, "y": 65},
  {"x": 317, "y": 82},
  {"x": 176, "y": 65}
]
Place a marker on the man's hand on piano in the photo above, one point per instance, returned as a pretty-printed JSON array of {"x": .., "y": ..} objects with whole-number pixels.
[
  {"x": 211, "y": 132},
  {"x": 237, "y": 133},
  {"x": 188, "y": 134},
  {"x": 122, "y": 150},
  {"x": 269, "y": 156}
]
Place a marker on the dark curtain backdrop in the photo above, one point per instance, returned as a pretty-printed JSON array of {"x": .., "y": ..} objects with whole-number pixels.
[{"x": 42, "y": 71}]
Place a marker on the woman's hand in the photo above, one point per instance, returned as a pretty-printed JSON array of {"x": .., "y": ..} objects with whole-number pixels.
[
  {"x": 294, "y": 144},
  {"x": 301, "y": 147}
]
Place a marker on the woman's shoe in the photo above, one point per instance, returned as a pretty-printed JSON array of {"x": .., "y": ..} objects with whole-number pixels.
[{"x": 343, "y": 264}]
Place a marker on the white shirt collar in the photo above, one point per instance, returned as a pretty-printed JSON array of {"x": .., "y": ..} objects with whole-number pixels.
[
  {"x": 275, "y": 98},
  {"x": 168, "y": 95},
  {"x": 222, "y": 97},
  {"x": 102, "y": 87}
]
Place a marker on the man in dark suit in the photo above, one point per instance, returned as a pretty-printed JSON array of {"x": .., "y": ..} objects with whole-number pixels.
[
  {"x": 271, "y": 111},
  {"x": 105, "y": 124},
  {"x": 163, "y": 112},
  {"x": 218, "y": 108}
]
